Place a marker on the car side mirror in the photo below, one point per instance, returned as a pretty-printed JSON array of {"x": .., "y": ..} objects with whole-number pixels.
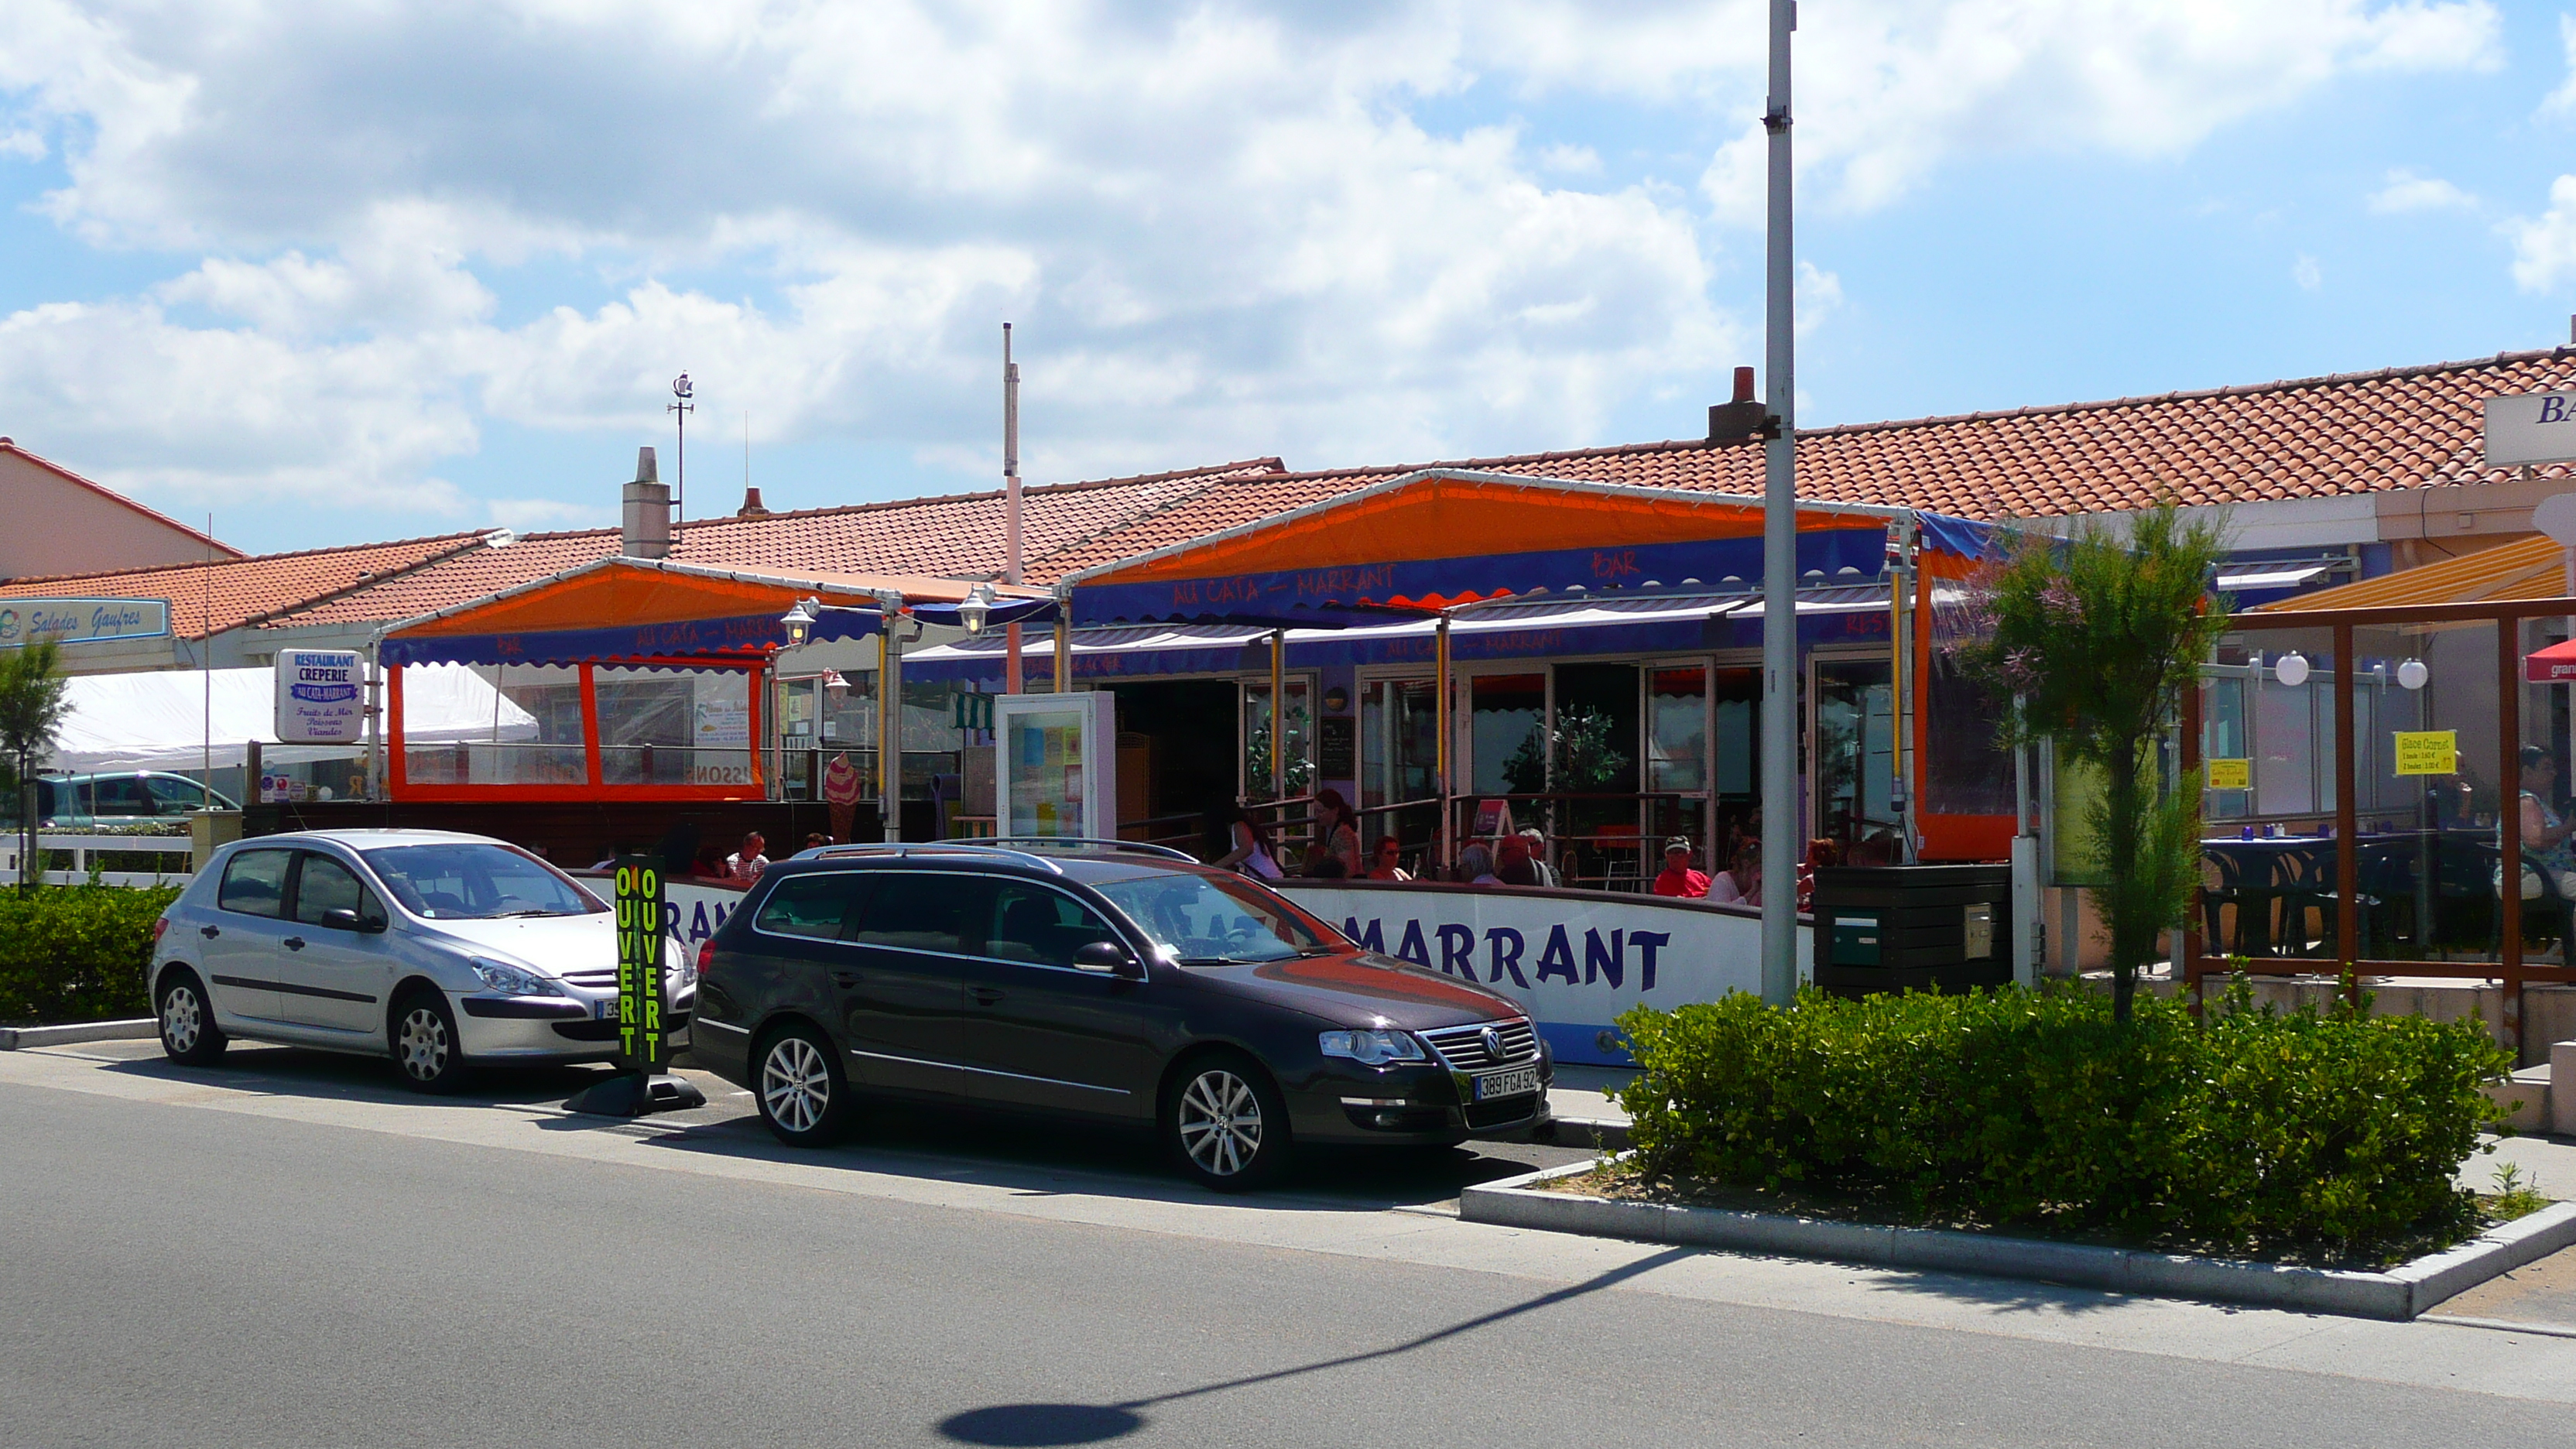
[
  {"x": 1109, "y": 957},
  {"x": 349, "y": 920}
]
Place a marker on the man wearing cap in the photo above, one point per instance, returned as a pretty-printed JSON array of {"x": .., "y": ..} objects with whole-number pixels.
[{"x": 1678, "y": 878}]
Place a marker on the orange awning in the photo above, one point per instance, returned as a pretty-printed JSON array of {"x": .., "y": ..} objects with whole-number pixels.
[{"x": 2528, "y": 568}]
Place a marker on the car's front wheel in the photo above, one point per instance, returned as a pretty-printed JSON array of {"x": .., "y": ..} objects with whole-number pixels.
[
  {"x": 189, "y": 1035},
  {"x": 424, "y": 1043},
  {"x": 804, "y": 1098},
  {"x": 1225, "y": 1123}
]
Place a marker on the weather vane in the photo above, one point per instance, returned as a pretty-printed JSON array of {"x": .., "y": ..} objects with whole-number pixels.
[{"x": 682, "y": 391}]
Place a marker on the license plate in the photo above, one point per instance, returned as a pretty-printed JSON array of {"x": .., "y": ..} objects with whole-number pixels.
[
  {"x": 1518, "y": 1082},
  {"x": 608, "y": 1009}
]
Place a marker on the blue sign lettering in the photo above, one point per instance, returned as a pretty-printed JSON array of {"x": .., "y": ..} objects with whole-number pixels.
[
  {"x": 1647, "y": 944},
  {"x": 1602, "y": 962},
  {"x": 1458, "y": 951},
  {"x": 1374, "y": 938},
  {"x": 1557, "y": 958},
  {"x": 1411, "y": 947},
  {"x": 2553, "y": 408},
  {"x": 1506, "y": 945}
]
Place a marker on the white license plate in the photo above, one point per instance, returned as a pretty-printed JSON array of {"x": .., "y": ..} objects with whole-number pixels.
[
  {"x": 1518, "y": 1082},
  {"x": 608, "y": 1009}
]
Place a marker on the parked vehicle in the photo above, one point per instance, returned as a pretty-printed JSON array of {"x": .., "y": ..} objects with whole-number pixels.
[
  {"x": 132, "y": 797},
  {"x": 440, "y": 950},
  {"x": 1118, "y": 984}
]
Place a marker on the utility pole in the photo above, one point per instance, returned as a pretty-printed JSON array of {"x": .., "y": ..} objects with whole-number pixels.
[
  {"x": 1780, "y": 812},
  {"x": 1011, "y": 508}
]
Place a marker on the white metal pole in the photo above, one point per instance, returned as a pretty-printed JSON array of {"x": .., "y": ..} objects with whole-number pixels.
[
  {"x": 1780, "y": 811},
  {"x": 1011, "y": 505}
]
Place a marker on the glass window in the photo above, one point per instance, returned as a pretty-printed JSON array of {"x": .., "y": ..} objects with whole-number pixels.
[
  {"x": 1297, "y": 751},
  {"x": 1045, "y": 766},
  {"x": 1509, "y": 742},
  {"x": 255, "y": 883},
  {"x": 174, "y": 796},
  {"x": 120, "y": 795},
  {"x": 674, "y": 726},
  {"x": 1965, "y": 772},
  {"x": 1038, "y": 924},
  {"x": 326, "y": 886},
  {"x": 1677, "y": 730},
  {"x": 463, "y": 881},
  {"x": 923, "y": 911},
  {"x": 815, "y": 906},
  {"x": 535, "y": 734},
  {"x": 1212, "y": 919}
]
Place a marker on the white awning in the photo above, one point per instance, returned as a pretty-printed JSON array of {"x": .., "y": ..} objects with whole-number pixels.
[
  {"x": 2281, "y": 577},
  {"x": 161, "y": 720}
]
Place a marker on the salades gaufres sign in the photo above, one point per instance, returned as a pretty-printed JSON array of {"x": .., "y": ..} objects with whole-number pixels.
[{"x": 81, "y": 621}]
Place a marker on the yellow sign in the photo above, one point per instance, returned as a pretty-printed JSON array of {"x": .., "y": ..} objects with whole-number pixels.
[
  {"x": 2428, "y": 752},
  {"x": 2231, "y": 774}
]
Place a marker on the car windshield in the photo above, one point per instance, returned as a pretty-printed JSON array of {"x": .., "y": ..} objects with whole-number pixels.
[
  {"x": 1212, "y": 920},
  {"x": 464, "y": 881}
]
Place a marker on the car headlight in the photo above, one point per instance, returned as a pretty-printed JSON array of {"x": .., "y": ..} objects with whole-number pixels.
[
  {"x": 511, "y": 980},
  {"x": 1371, "y": 1048}
]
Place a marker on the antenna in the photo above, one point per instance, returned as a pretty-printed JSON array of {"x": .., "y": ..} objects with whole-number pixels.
[{"x": 682, "y": 391}]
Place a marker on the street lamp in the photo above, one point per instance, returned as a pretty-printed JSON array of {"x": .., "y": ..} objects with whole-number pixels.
[
  {"x": 975, "y": 609},
  {"x": 799, "y": 621}
]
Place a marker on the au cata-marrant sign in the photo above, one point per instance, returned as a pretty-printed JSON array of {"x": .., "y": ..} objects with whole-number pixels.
[
  {"x": 641, "y": 1044},
  {"x": 320, "y": 697},
  {"x": 81, "y": 621}
]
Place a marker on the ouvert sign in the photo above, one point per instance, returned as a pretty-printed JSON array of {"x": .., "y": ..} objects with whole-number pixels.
[{"x": 2531, "y": 428}]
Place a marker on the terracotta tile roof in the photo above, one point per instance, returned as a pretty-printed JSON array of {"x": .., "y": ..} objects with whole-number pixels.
[
  {"x": 221, "y": 548},
  {"x": 951, "y": 537},
  {"x": 210, "y": 598},
  {"x": 2303, "y": 438}
]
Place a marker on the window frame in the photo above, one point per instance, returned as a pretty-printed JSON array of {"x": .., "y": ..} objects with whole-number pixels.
[{"x": 285, "y": 882}]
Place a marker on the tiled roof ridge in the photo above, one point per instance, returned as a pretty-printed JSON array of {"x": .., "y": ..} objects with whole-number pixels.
[
  {"x": 2244, "y": 389},
  {"x": 1212, "y": 473},
  {"x": 146, "y": 509},
  {"x": 243, "y": 559}
]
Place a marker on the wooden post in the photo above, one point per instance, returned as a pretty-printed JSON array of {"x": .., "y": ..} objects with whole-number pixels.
[
  {"x": 1063, "y": 682},
  {"x": 1440, "y": 750},
  {"x": 1279, "y": 720}
]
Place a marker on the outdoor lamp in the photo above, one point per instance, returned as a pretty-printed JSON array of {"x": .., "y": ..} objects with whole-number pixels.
[
  {"x": 799, "y": 621},
  {"x": 2292, "y": 669},
  {"x": 975, "y": 608},
  {"x": 2412, "y": 674}
]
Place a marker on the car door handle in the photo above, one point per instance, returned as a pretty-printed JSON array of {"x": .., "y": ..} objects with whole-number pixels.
[
  {"x": 845, "y": 978},
  {"x": 985, "y": 995},
  {"x": 210, "y": 932},
  {"x": 295, "y": 943}
]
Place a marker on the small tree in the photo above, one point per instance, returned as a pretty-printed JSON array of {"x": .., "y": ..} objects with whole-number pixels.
[
  {"x": 33, "y": 700},
  {"x": 2095, "y": 639}
]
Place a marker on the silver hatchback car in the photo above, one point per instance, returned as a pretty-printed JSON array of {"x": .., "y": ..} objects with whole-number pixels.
[{"x": 439, "y": 950}]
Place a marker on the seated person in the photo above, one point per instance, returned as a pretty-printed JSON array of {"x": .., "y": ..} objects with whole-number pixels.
[
  {"x": 1678, "y": 879},
  {"x": 1740, "y": 883}
]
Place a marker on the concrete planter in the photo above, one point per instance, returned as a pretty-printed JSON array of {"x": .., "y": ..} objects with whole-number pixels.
[{"x": 2398, "y": 1293}]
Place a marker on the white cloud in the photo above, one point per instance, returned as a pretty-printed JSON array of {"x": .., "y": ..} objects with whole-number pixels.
[
  {"x": 2544, "y": 251},
  {"x": 2307, "y": 273},
  {"x": 1224, "y": 230},
  {"x": 2561, "y": 103},
  {"x": 2406, "y": 191},
  {"x": 1820, "y": 296},
  {"x": 534, "y": 515}
]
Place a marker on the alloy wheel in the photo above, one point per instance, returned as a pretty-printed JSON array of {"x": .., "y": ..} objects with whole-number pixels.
[
  {"x": 182, "y": 1023},
  {"x": 422, "y": 1044},
  {"x": 1220, "y": 1123},
  {"x": 796, "y": 1084}
]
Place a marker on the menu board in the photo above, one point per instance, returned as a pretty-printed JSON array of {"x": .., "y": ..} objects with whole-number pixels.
[{"x": 1055, "y": 758}]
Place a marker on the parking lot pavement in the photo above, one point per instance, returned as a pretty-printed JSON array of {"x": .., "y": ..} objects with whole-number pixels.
[
  {"x": 935, "y": 1143},
  {"x": 1002, "y": 1182}
]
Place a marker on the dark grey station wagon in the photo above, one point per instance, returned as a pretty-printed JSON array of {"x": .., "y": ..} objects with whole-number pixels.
[{"x": 1105, "y": 982}]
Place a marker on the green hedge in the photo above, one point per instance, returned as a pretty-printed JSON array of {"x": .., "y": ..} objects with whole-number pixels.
[
  {"x": 77, "y": 953},
  {"x": 2298, "y": 1134}
]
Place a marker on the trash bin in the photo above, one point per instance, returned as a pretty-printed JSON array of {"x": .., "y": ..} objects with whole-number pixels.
[{"x": 1912, "y": 928}]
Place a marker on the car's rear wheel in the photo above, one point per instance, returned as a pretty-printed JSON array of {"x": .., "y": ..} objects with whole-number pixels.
[
  {"x": 1225, "y": 1123},
  {"x": 425, "y": 1045},
  {"x": 804, "y": 1099},
  {"x": 189, "y": 1035}
]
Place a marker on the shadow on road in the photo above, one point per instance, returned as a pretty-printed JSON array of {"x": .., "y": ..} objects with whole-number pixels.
[{"x": 1056, "y": 1424}]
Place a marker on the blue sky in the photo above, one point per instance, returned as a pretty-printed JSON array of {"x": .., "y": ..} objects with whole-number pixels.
[{"x": 336, "y": 273}]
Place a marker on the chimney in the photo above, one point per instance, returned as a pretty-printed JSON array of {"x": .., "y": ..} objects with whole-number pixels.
[
  {"x": 751, "y": 504},
  {"x": 1742, "y": 420},
  {"x": 648, "y": 511}
]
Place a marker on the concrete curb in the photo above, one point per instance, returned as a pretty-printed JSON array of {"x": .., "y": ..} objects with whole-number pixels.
[
  {"x": 13, "y": 1038},
  {"x": 2398, "y": 1294},
  {"x": 1607, "y": 1134}
]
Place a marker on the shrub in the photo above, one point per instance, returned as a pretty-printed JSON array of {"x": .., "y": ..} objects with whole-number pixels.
[
  {"x": 2258, "y": 1132},
  {"x": 77, "y": 953}
]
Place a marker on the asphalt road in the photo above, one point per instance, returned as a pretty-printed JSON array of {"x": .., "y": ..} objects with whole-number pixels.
[{"x": 288, "y": 1253}]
